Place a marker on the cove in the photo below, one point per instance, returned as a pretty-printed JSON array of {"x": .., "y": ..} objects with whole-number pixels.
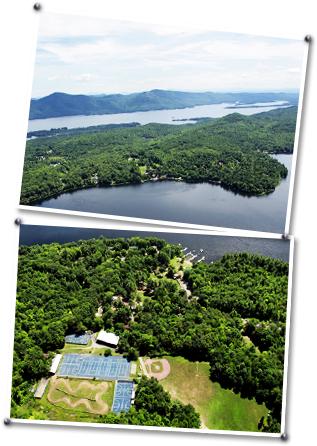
[{"x": 180, "y": 202}]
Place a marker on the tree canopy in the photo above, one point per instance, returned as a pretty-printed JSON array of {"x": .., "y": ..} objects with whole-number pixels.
[
  {"x": 231, "y": 151},
  {"x": 234, "y": 318}
]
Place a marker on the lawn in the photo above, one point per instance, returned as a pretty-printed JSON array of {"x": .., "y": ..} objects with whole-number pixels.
[
  {"x": 154, "y": 366},
  {"x": 220, "y": 409}
]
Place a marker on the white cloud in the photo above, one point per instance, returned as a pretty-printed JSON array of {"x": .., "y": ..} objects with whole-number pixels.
[
  {"x": 85, "y": 77},
  {"x": 53, "y": 78},
  {"x": 293, "y": 70}
]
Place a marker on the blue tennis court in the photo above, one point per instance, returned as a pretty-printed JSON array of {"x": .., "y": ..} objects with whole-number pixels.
[
  {"x": 89, "y": 366},
  {"x": 122, "y": 396},
  {"x": 75, "y": 338}
]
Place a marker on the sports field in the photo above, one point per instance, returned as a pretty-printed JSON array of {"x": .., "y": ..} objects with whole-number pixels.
[
  {"x": 122, "y": 396},
  {"x": 99, "y": 367},
  {"x": 220, "y": 409}
]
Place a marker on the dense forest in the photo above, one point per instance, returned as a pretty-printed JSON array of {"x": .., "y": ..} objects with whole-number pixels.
[
  {"x": 234, "y": 317},
  {"x": 229, "y": 151},
  {"x": 62, "y": 104}
]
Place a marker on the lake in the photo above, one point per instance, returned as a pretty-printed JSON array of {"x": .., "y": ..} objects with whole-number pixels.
[
  {"x": 158, "y": 116},
  {"x": 195, "y": 203},
  {"x": 214, "y": 246}
]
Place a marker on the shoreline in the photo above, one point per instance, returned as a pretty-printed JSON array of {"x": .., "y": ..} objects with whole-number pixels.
[{"x": 211, "y": 182}]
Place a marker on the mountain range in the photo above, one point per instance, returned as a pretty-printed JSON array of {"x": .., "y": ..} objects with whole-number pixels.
[{"x": 63, "y": 104}]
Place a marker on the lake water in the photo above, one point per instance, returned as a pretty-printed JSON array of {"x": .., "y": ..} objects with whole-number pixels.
[
  {"x": 196, "y": 203},
  {"x": 214, "y": 246},
  {"x": 158, "y": 116}
]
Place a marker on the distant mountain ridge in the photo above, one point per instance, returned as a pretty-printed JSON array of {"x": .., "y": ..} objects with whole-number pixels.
[{"x": 63, "y": 104}]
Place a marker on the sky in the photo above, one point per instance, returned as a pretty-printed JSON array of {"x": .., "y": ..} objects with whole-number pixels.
[{"x": 93, "y": 55}]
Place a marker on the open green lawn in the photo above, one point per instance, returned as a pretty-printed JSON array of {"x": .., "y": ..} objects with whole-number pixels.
[
  {"x": 220, "y": 409},
  {"x": 107, "y": 397}
]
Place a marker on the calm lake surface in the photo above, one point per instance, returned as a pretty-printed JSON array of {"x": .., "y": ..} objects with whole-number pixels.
[
  {"x": 195, "y": 203},
  {"x": 158, "y": 116},
  {"x": 214, "y": 246}
]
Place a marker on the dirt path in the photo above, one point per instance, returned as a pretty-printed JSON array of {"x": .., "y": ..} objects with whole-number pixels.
[
  {"x": 102, "y": 386},
  {"x": 184, "y": 286}
]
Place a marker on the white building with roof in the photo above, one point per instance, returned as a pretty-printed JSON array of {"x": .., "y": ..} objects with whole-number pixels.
[
  {"x": 108, "y": 338},
  {"x": 55, "y": 363}
]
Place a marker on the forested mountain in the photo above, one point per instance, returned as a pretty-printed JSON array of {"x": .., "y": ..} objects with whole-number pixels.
[
  {"x": 62, "y": 104},
  {"x": 235, "y": 317},
  {"x": 229, "y": 151}
]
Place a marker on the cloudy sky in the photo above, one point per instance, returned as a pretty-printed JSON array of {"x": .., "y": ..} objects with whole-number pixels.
[{"x": 87, "y": 55}]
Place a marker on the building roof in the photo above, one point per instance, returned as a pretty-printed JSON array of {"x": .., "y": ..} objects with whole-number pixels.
[
  {"x": 108, "y": 338},
  {"x": 55, "y": 363}
]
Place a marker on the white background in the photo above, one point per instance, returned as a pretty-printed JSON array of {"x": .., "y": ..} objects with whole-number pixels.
[{"x": 286, "y": 18}]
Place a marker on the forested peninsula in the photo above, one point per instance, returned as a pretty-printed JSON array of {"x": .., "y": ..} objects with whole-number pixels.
[
  {"x": 231, "y": 151},
  {"x": 232, "y": 317},
  {"x": 62, "y": 104}
]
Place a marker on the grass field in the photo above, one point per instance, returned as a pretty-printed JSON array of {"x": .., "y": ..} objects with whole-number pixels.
[
  {"x": 154, "y": 366},
  {"x": 220, "y": 409}
]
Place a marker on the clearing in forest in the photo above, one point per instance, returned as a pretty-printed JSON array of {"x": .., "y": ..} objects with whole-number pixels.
[{"x": 220, "y": 409}]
